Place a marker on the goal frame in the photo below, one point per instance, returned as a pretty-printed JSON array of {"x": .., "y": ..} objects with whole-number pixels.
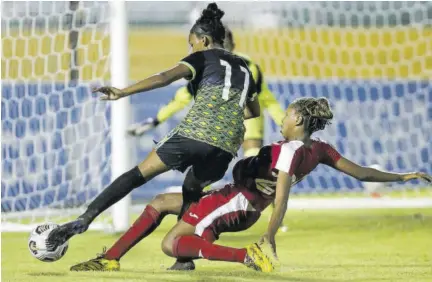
[{"x": 121, "y": 152}]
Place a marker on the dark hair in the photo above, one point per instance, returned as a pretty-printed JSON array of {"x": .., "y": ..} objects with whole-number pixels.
[
  {"x": 229, "y": 37},
  {"x": 210, "y": 24},
  {"x": 315, "y": 111},
  {"x": 229, "y": 34}
]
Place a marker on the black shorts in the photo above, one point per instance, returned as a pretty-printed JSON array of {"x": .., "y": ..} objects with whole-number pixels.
[{"x": 209, "y": 162}]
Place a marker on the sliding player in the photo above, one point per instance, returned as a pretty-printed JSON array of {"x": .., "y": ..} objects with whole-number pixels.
[
  {"x": 209, "y": 136},
  {"x": 258, "y": 181},
  {"x": 253, "y": 138}
]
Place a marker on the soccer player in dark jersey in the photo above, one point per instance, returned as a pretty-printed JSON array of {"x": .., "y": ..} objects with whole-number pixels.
[
  {"x": 254, "y": 134},
  {"x": 209, "y": 136},
  {"x": 258, "y": 181}
]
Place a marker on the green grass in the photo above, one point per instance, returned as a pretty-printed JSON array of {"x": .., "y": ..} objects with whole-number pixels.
[{"x": 347, "y": 245}]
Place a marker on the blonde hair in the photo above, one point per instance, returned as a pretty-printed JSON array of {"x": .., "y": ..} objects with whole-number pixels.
[{"x": 316, "y": 112}]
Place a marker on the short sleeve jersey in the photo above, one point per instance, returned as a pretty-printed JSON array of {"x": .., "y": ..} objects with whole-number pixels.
[
  {"x": 220, "y": 83},
  {"x": 260, "y": 172},
  {"x": 298, "y": 160}
]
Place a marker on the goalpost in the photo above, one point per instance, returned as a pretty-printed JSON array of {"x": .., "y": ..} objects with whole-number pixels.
[{"x": 60, "y": 145}]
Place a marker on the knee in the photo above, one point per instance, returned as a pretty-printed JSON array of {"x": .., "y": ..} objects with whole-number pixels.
[
  {"x": 159, "y": 202},
  {"x": 167, "y": 246},
  {"x": 194, "y": 185}
]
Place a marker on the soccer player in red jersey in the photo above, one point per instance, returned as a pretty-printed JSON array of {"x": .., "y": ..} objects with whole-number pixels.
[{"x": 258, "y": 181}]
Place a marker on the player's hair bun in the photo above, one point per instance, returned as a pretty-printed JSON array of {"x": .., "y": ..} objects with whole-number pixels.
[
  {"x": 322, "y": 109},
  {"x": 316, "y": 111},
  {"x": 212, "y": 12},
  {"x": 210, "y": 24}
]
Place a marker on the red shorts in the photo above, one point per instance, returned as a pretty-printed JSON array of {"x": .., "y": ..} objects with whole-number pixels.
[{"x": 226, "y": 210}]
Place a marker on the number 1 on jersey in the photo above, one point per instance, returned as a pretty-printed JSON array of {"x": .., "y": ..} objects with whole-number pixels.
[{"x": 227, "y": 84}]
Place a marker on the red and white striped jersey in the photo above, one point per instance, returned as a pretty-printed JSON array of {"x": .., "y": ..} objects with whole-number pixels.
[
  {"x": 293, "y": 157},
  {"x": 298, "y": 160}
]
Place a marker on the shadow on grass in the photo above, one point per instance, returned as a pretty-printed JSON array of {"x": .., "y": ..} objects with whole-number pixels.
[
  {"x": 221, "y": 275},
  {"x": 346, "y": 266},
  {"x": 45, "y": 273}
]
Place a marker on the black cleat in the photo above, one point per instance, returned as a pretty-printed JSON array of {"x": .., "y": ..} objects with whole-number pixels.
[
  {"x": 64, "y": 232},
  {"x": 187, "y": 265}
]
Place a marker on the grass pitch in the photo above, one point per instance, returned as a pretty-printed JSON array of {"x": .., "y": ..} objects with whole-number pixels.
[{"x": 339, "y": 245}]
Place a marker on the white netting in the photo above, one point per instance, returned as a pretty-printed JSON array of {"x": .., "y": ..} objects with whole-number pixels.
[
  {"x": 55, "y": 135},
  {"x": 373, "y": 60}
]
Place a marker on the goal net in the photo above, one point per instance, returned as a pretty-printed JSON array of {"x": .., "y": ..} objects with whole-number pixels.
[
  {"x": 55, "y": 134},
  {"x": 372, "y": 60}
]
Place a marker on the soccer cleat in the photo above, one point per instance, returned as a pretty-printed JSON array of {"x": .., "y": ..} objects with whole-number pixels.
[
  {"x": 64, "y": 232},
  {"x": 183, "y": 265},
  {"x": 257, "y": 260},
  {"x": 98, "y": 264}
]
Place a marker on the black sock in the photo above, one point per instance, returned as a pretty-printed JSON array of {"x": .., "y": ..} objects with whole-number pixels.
[
  {"x": 191, "y": 191},
  {"x": 117, "y": 190},
  {"x": 189, "y": 197}
]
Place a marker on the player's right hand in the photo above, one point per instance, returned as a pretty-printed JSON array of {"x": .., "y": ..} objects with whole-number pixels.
[
  {"x": 418, "y": 175},
  {"x": 139, "y": 129},
  {"x": 111, "y": 93},
  {"x": 268, "y": 242}
]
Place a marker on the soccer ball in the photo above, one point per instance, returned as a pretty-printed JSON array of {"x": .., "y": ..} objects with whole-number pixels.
[{"x": 38, "y": 246}]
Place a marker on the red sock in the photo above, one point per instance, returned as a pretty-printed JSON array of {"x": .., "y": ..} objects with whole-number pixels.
[
  {"x": 192, "y": 246},
  {"x": 142, "y": 227}
]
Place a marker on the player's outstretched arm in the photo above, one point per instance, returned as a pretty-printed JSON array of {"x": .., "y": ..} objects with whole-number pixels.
[
  {"x": 368, "y": 174},
  {"x": 155, "y": 81},
  {"x": 283, "y": 186}
]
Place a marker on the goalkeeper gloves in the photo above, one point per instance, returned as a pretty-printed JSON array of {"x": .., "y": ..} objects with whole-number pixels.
[{"x": 139, "y": 129}]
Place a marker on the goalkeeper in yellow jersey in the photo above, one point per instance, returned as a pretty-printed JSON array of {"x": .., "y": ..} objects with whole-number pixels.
[{"x": 253, "y": 138}]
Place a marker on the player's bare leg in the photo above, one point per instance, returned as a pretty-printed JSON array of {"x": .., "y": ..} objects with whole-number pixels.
[
  {"x": 181, "y": 242},
  {"x": 118, "y": 189},
  {"x": 181, "y": 228},
  {"x": 147, "y": 222},
  {"x": 251, "y": 147},
  {"x": 192, "y": 192}
]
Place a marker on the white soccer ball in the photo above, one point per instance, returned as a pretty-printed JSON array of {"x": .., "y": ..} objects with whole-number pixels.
[{"x": 38, "y": 247}]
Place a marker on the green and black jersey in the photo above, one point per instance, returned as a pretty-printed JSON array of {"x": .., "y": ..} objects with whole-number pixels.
[{"x": 221, "y": 85}]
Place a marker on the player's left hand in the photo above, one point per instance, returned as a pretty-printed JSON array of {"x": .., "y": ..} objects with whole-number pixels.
[
  {"x": 270, "y": 241},
  {"x": 111, "y": 93},
  {"x": 418, "y": 175}
]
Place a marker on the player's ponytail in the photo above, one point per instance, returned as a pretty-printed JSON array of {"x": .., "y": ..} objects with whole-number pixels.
[
  {"x": 210, "y": 24},
  {"x": 315, "y": 111}
]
